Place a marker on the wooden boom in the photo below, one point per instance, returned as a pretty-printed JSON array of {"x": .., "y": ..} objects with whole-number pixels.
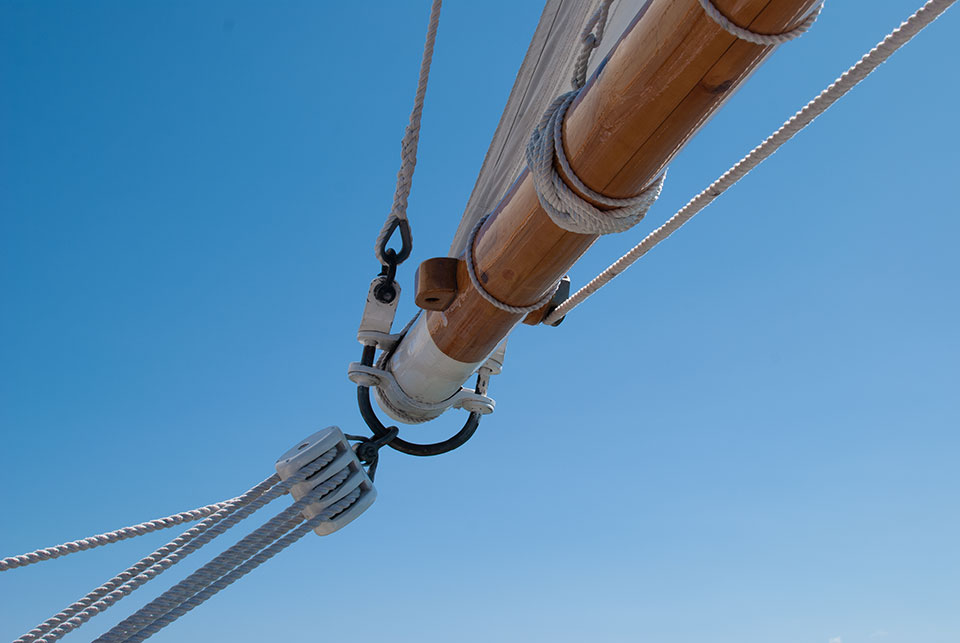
[{"x": 672, "y": 69}]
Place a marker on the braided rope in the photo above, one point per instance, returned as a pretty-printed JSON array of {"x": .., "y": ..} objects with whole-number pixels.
[
  {"x": 760, "y": 38},
  {"x": 147, "y": 562},
  {"x": 175, "y": 556},
  {"x": 836, "y": 90},
  {"x": 411, "y": 138},
  {"x": 556, "y": 192},
  {"x": 49, "y": 553},
  {"x": 545, "y": 151},
  {"x": 244, "y": 569},
  {"x": 222, "y": 563},
  {"x": 475, "y": 280},
  {"x": 590, "y": 38},
  {"x": 563, "y": 205}
]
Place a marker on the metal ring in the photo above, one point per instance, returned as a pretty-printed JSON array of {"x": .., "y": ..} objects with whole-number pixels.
[{"x": 410, "y": 448}]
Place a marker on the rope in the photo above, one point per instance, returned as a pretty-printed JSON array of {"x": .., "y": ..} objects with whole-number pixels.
[
  {"x": 760, "y": 38},
  {"x": 411, "y": 139},
  {"x": 50, "y": 553},
  {"x": 222, "y": 564},
  {"x": 590, "y": 38},
  {"x": 847, "y": 81},
  {"x": 145, "y": 563},
  {"x": 472, "y": 272},
  {"x": 176, "y": 554},
  {"x": 566, "y": 207},
  {"x": 545, "y": 152},
  {"x": 244, "y": 569},
  {"x": 556, "y": 193}
]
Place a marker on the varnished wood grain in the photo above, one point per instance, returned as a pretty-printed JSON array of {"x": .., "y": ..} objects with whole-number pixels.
[
  {"x": 671, "y": 71},
  {"x": 436, "y": 283}
]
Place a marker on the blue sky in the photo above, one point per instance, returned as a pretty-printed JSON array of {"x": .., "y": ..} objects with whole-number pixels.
[{"x": 751, "y": 436}]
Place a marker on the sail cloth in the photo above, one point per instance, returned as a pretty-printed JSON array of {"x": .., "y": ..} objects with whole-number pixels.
[{"x": 544, "y": 74}]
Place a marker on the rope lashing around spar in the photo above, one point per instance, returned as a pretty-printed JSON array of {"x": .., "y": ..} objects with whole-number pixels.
[
  {"x": 559, "y": 191},
  {"x": 849, "y": 79},
  {"x": 564, "y": 206},
  {"x": 556, "y": 189},
  {"x": 756, "y": 38},
  {"x": 475, "y": 279}
]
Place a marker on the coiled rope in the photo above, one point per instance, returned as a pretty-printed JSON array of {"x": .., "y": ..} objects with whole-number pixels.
[
  {"x": 562, "y": 203},
  {"x": 545, "y": 152},
  {"x": 836, "y": 90}
]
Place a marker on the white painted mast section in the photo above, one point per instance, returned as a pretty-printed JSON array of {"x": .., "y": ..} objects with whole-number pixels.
[{"x": 427, "y": 375}]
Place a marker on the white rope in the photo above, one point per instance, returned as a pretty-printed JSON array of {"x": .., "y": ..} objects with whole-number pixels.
[
  {"x": 222, "y": 563},
  {"x": 590, "y": 38},
  {"x": 411, "y": 138},
  {"x": 472, "y": 272},
  {"x": 545, "y": 152},
  {"x": 251, "y": 564},
  {"x": 566, "y": 207},
  {"x": 146, "y": 562},
  {"x": 760, "y": 38},
  {"x": 850, "y": 78},
  {"x": 556, "y": 193},
  {"x": 99, "y": 540},
  {"x": 178, "y": 553}
]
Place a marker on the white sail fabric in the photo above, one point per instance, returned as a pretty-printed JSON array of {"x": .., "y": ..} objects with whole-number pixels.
[{"x": 544, "y": 74}]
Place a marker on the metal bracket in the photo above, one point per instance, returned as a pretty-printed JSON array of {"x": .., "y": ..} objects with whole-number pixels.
[
  {"x": 378, "y": 313},
  {"x": 374, "y": 333},
  {"x": 465, "y": 398}
]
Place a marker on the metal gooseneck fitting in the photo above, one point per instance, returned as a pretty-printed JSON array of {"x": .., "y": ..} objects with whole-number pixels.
[{"x": 375, "y": 333}]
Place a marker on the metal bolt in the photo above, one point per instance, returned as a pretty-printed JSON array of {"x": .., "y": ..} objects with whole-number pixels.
[{"x": 385, "y": 292}]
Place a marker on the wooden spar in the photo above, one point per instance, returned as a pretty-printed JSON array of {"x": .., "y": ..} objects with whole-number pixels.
[{"x": 672, "y": 69}]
